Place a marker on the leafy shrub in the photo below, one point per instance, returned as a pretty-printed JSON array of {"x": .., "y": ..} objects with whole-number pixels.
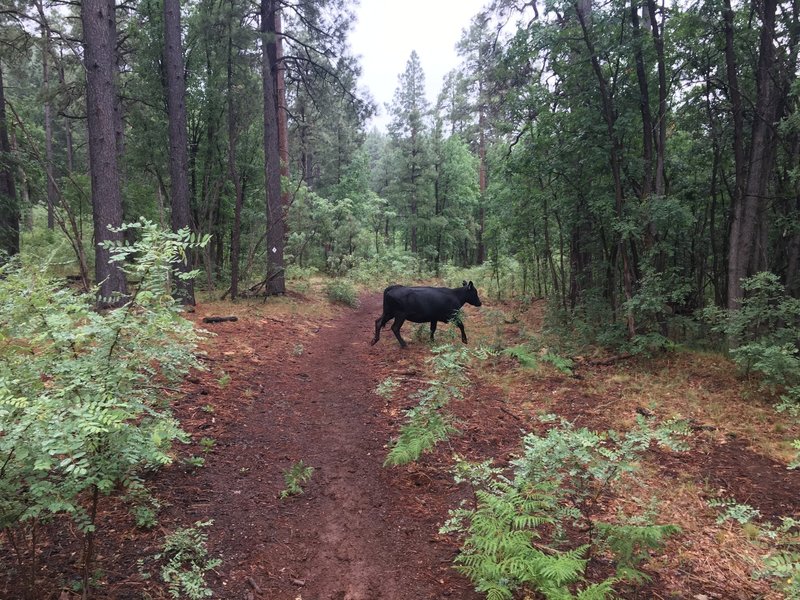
[
  {"x": 764, "y": 335},
  {"x": 782, "y": 565},
  {"x": 82, "y": 412},
  {"x": 340, "y": 291},
  {"x": 523, "y": 355},
  {"x": 186, "y": 562},
  {"x": 741, "y": 513},
  {"x": 386, "y": 388},
  {"x": 390, "y": 266}
]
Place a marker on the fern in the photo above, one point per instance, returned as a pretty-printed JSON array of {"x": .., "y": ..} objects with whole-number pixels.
[
  {"x": 425, "y": 429},
  {"x": 299, "y": 473},
  {"x": 428, "y": 423},
  {"x": 523, "y": 356},
  {"x": 513, "y": 536},
  {"x": 632, "y": 544}
]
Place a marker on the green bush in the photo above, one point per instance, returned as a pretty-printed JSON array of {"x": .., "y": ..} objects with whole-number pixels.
[
  {"x": 389, "y": 267},
  {"x": 764, "y": 336},
  {"x": 82, "y": 407},
  {"x": 340, "y": 291},
  {"x": 186, "y": 561}
]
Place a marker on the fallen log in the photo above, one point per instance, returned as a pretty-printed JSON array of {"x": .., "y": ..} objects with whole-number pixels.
[{"x": 219, "y": 319}]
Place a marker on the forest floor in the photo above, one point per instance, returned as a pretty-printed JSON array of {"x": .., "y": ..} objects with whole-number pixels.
[{"x": 294, "y": 379}]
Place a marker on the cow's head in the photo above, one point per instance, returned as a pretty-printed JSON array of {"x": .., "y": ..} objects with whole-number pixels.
[{"x": 472, "y": 294}]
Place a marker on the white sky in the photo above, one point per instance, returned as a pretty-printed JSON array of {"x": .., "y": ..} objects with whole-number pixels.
[{"x": 388, "y": 30}]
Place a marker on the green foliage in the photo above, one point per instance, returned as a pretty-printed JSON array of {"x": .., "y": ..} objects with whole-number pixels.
[
  {"x": 765, "y": 336},
  {"x": 633, "y": 544},
  {"x": 733, "y": 511},
  {"x": 782, "y": 565},
  {"x": 194, "y": 462},
  {"x": 523, "y": 355},
  {"x": 559, "y": 362},
  {"x": 425, "y": 427},
  {"x": 514, "y": 536},
  {"x": 295, "y": 477},
  {"x": 391, "y": 265},
  {"x": 657, "y": 291},
  {"x": 207, "y": 444},
  {"x": 387, "y": 387},
  {"x": 186, "y": 562},
  {"x": 144, "y": 507},
  {"x": 340, "y": 291},
  {"x": 426, "y": 423},
  {"x": 82, "y": 406}
]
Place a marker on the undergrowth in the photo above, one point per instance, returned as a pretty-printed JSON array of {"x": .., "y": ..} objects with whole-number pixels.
[
  {"x": 534, "y": 531},
  {"x": 428, "y": 423}
]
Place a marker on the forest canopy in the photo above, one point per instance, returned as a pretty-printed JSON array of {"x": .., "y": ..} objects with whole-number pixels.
[{"x": 633, "y": 162}]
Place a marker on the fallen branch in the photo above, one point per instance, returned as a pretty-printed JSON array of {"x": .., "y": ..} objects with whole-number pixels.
[{"x": 219, "y": 319}]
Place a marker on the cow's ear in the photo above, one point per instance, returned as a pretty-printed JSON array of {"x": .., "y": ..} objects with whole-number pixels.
[
  {"x": 464, "y": 283},
  {"x": 470, "y": 286}
]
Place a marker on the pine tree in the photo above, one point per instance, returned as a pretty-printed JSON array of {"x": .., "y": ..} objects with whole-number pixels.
[{"x": 410, "y": 135}]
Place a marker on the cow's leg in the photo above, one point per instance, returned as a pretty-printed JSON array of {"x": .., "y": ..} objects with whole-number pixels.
[
  {"x": 398, "y": 323},
  {"x": 433, "y": 329},
  {"x": 463, "y": 333},
  {"x": 379, "y": 324}
]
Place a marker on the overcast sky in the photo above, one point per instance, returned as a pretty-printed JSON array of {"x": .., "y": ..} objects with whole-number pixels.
[{"x": 388, "y": 30}]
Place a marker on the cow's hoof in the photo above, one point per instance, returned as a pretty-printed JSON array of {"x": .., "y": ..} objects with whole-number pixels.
[{"x": 373, "y": 342}]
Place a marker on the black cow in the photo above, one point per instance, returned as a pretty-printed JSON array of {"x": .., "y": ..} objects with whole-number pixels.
[{"x": 423, "y": 305}]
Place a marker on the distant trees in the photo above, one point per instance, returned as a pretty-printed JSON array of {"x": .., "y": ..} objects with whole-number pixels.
[
  {"x": 629, "y": 161},
  {"x": 410, "y": 134}
]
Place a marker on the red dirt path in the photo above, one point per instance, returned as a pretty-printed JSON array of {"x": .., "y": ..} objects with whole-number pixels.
[{"x": 360, "y": 531}]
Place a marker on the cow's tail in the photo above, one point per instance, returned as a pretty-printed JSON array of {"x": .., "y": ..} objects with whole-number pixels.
[{"x": 387, "y": 301}]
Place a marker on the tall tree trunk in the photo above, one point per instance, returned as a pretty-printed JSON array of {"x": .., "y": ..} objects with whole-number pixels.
[
  {"x": 661, "y": 135},
  {"x": 480, "y": 256},
  {"x": 48, "y": 118},
  {"x": 232, "y": 172},
  {"x": 100, "y": 36},
  {"x": 276, "y": 283},
  {"x": 178, "y": 140},
  {"x": 644, "y": 108},
  {"x": 67, "y": 127},
  {"x": 9, "y": 209},
  {"x": 283, "y": 134},
  {"x": 744, "y": 253}
]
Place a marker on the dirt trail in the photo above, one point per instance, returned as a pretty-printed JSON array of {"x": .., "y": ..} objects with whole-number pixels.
[{"x": 360, "y": 531}]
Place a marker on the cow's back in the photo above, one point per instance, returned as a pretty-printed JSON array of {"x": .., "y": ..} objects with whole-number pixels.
[{"x": 420, "y": 304}]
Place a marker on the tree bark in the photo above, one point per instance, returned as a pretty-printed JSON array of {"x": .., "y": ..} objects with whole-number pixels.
[
  {"x": 272, "y": 164},
  {"x": 233, "y": 173},
  {"x": 99, "y": 32},
  {"x": 9, "y": 209},
  {"x": 52, "y": 197},
  {"x": 178, "y": 139},
  {"x": 744, "y": 254},
  {"x": 480, "y": 253}
]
